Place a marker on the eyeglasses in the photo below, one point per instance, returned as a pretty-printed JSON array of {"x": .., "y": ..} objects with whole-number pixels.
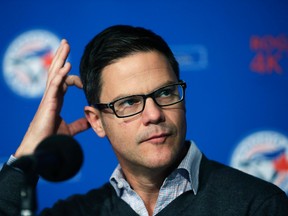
[{"x": 135, "y": 104}]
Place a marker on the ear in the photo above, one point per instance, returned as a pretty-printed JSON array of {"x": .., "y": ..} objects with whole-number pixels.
[{"x": 94, "y": 118}]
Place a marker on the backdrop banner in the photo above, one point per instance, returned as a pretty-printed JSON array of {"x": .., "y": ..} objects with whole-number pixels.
[{"x": 232, "y": 55}]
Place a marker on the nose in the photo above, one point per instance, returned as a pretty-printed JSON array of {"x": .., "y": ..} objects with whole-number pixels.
[{"x": 152, "y": 113}]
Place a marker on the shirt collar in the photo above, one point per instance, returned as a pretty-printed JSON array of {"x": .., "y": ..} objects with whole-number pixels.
[{"x": 190, "y": 164}]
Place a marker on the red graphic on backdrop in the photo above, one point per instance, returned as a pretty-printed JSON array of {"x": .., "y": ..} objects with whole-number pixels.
[
  {"x": 47, "y": 60},
  {"x": 269, "y": 51},
  {"x": 281, "y": 164}
]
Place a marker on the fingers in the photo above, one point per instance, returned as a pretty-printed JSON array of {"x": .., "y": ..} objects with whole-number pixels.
[
  {"x": 78, "y": 126},
  {"x": 73, "y": 80},
  {"x": 58, "y": 71},
  {"x": 60, "y": 56},
  {"x": 57, "y": 82},
  {"x": 59, "y": 60},
  {"x": 58, "y": 51}
]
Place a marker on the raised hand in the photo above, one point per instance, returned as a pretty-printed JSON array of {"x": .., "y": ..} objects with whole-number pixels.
[{"x": 47, "y": 120}]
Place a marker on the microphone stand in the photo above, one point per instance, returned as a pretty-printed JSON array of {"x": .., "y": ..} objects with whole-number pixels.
[
  {"x": 28, "y": 202},
  {"x": 28, "y": 198}
]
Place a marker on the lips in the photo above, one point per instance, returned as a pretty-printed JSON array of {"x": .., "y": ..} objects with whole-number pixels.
[
  {"x": 156, "y": 138},
  {"x": 156, "y": 134}
]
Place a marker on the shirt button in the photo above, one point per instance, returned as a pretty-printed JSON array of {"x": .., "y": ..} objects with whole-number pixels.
[{"x": 120, "y": 185}]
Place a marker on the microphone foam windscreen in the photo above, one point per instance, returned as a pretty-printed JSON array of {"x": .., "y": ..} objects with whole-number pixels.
[{"x": 61, "y": 158}]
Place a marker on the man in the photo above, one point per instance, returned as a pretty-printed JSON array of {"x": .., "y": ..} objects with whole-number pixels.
[{"x": 136, "y": 99}]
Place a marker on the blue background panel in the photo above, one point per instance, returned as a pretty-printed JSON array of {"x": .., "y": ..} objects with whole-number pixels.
[{"x": 237, "y": 85}]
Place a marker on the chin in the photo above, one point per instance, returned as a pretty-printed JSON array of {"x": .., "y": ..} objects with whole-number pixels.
[{"x": 160, "y": 161}]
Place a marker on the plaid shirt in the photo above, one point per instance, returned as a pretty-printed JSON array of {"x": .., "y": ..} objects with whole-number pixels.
[{"x": 182, "y": 179}]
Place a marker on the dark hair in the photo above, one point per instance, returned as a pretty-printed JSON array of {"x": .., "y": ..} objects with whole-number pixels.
[{"x": 112, "y": 44}]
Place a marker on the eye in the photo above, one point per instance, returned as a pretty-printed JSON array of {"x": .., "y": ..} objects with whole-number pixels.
[
  {"x": 165, "y": 92},
  {"x": 128, "y": 102}
]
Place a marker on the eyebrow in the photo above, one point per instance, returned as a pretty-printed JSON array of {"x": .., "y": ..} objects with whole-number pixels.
[{"x": 155, "y": 89}]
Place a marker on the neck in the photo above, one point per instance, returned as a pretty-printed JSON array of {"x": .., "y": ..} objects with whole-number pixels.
[
  {"x": 146, "y": 182},
  {"x": 147, "y": 186}
]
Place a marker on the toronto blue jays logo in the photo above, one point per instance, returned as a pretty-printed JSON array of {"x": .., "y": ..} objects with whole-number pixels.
[
  {"x": 27, "y": 60},
  {"x": 264, "y": 154}
]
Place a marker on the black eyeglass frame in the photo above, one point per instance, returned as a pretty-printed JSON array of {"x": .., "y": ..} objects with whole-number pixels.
[{"x": 110, "y": 105}]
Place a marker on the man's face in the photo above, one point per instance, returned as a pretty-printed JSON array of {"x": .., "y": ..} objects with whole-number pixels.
[{"x": 154, "y": 138}]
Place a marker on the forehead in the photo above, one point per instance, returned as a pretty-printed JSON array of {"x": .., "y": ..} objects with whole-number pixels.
[{"x": 138, "y": 73}]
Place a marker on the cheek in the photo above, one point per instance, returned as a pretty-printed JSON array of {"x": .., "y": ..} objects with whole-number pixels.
[
  {"x": 179, "y": 120},
  {"x": 178, "y": 117},
  {"x": 119, "y": 132},
  {"x": 183, "y": 123}
]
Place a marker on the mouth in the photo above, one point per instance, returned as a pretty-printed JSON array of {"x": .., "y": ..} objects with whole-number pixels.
[{"x": 157, "y": 138}]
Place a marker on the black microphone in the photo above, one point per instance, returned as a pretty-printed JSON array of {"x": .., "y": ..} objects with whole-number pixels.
[{"x": 56, "y": 158}]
